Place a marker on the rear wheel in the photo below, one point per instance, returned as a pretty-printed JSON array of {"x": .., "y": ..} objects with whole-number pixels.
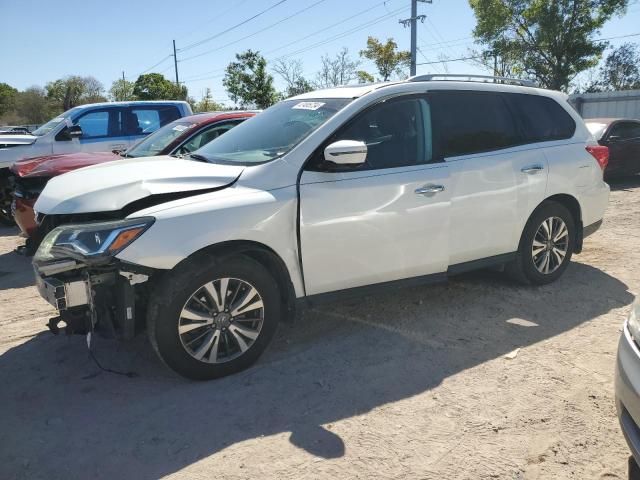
[
  {"x": 212, "y": 318},
  {"x": 546, "y": 245}
]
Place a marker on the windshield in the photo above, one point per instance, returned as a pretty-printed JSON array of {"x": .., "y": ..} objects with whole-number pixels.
[
  {"x": 272, "y": 133},
  {"x": 160, "y": 139},
  {"x": 54, "y": 122},
  {"x": 597, "y": 129}
]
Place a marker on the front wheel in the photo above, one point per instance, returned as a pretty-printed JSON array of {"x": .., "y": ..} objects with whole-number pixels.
[
  {"x": 546, "y": 245},
  {"x": 210, "y": 318}
]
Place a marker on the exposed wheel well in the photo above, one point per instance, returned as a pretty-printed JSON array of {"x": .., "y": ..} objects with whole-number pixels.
[
  {"x": 571, "y": 204},
  {"x": 265, "y": 256}
]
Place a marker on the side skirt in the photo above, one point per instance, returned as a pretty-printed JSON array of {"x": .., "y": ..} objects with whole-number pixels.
[{"x": 433, "y": 278}]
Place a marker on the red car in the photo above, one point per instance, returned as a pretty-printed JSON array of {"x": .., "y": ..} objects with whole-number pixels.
[
  {"x": 622, "y": 136},
  {"x": 180, "y": 137}
]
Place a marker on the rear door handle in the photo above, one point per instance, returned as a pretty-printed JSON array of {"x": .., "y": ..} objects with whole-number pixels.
[
  {"x": 429, "y": 189},
  {"x": 531, "y": 169}
]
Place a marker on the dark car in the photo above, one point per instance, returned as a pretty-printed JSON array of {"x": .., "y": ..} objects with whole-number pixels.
[
  {"x": 622, "y": 136},
  {"x": 177, "y": 138}
]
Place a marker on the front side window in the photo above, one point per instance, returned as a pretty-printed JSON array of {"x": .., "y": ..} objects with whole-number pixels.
[
  {"x": 472, "y": 122},
  {"x": 101, "y": 123},
  {"x": 273, "y": 133},
  {"x": 205, "y": 136},
  {"x": 397, "y": 133}
]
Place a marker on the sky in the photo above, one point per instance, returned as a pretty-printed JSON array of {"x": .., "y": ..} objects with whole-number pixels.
[{"x": 44, "y": 40}]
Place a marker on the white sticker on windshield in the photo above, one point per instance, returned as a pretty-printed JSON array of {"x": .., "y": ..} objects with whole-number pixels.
[
  {"x": 308, "y": 105},
  {"x": 180, "y": 128}
]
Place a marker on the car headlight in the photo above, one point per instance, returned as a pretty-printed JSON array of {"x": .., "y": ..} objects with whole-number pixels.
[
  {"x": 633, "y": 322},
  {"x": 91, "y": 240}
]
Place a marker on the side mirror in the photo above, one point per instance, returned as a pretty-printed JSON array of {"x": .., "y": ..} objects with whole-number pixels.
[
  {"x": 346, "y": 152},
  {"x": 74, "y": 131}
]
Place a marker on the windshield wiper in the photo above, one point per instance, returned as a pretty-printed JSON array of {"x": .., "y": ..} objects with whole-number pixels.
[{"x": 198, "y": 157}]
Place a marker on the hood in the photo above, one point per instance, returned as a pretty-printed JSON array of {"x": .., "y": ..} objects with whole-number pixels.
[
  {"x": 16, "y": 139},
  {"x": 113, "y": 186},
  {"x": 52, "y": 165}
]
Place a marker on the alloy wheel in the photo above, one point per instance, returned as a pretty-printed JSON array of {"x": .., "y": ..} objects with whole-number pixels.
[
  {"x": 221, "y": 320},
  {"x": 550, "y": 245}
]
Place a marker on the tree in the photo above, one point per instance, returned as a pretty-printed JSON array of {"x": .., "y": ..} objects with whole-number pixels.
[
  {"x": 364, "y": 77},
  {"x": 207, "y": 103},
  {"x": 339, "y": 70},
  {"x": 248, "y": 82},
  {"x": 553, "y": 40},
  {"x": 291, "y": 72},
  {"x": 8, "y": 96},
  {"x": 154, "y": 86},
  {"x": 388, "y": 59},
  {"x": 33, "y": 106},
  {"x": 74, "y": 90},
  {"x": 621, "y": 69},
  {"x": 122, "y": 90}
]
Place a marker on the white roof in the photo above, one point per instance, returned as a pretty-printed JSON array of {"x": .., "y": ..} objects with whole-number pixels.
[{"x": 346, "y": 91}]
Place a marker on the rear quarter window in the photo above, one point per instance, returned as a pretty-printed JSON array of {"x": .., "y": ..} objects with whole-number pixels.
[{"x": 542, "y": 119}]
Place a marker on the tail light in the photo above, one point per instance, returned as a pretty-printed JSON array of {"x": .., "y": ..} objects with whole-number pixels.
[{"x": 600, "y": 153}]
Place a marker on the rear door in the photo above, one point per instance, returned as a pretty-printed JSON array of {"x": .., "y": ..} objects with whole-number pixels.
[
  {"x": 624, "y": 147},
  {"x": 385, "y": 220},
  {"x": 495, "y": 180},
  {"x": 141, "y": 120}
]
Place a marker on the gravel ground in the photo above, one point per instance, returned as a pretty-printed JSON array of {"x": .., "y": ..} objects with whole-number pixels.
[{"x": 477, "y": 378}]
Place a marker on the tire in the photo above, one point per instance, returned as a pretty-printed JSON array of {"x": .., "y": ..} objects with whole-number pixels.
[
  {"x": 202, "y": 277},
  {"x": 529, "y": 268}
]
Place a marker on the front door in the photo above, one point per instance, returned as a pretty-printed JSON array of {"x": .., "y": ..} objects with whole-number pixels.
[{"x": 385, "y": 220}]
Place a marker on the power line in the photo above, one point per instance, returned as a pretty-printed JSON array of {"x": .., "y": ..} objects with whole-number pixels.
[
  {"x": 322, "y": 30},
  {"x": 193, "y": 30},
  {"x": 208, "y": 39},
  {"x": 462, "y": 59},
  {"x": 254, "y": 33}
]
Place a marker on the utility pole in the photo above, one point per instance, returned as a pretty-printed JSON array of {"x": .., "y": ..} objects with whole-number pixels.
[
  {"x": 413, "y": 22},
  {"x": 175, "y": 63}
]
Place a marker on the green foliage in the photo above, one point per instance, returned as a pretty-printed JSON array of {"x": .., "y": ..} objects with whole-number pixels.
[
  {"x": 248, "y": 82},
  {"x": 207, "y": 104},
  {"x": 291, "y": 73},
  {"x": 8, "y": 96},
  {"x": 621, "y": 69},
  {"x": 33, "y": 106},
  {"x": 122, "y": 90},
  {"x": 388, "y": 59},
  {"x": 154, "y": 86},
  {"x": 549, "y": 41},
  {"x": 364, "y": 77},
  {"x": 74, "y": 90}
]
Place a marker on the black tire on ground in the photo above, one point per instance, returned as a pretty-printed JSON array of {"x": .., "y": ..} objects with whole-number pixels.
[
  {"x": 634, "y": 470},
  {"x": 523, "y": 268},
  {"x": 176, "y": 287}
]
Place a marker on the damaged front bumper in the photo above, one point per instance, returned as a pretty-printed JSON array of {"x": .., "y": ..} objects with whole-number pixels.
[{"x": 107, "y": 298}]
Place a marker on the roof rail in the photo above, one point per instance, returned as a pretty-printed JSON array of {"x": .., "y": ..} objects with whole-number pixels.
[{"x": 472, "y": 78}]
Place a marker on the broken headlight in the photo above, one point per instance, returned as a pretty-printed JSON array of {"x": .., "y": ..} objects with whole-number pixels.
[{"x": 91, "y": 240}]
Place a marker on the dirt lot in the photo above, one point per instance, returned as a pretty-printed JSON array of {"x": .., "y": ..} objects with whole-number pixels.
[{"x": 414, "y": 384}]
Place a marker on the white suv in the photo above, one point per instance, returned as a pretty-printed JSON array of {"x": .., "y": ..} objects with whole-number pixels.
[{"x": 332, "y": 192}]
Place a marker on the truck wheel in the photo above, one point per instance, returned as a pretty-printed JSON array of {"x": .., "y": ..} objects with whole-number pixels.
[
  {"x": 213, "y": 317},
  {"x": 546, "y": 245}
]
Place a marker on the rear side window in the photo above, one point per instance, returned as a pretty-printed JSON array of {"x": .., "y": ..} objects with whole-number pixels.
[
  {"x": 472, "y": 122},
  {"x": 147, "y": 119},
  {"x": 625, "y": 130},
  {"x": 542, "y": 118}
]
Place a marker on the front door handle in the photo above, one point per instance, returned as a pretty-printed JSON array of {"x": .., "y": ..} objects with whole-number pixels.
[
  {"x": 532, "y": 169},
  {"x": 429, "y": 189}
]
